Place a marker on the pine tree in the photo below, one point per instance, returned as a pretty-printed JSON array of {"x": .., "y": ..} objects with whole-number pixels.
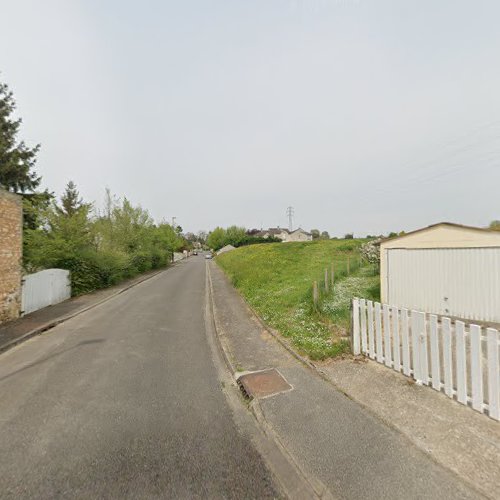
[
  {"x": 16, "y": 159},
  {"x": 71, "y": 203},
  {"x": 17, "y": 163},
  {"x": 69, "y": 223}
]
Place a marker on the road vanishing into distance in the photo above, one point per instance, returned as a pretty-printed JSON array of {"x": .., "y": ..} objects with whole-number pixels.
[
  {"x": 131, "y": 399},
  {"x": 125, "y": 401}
]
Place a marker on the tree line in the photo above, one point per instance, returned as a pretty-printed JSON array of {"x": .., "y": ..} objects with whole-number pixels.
[
  {"x": 99, "y": 247},
  {"x": 235, "y": 236}
]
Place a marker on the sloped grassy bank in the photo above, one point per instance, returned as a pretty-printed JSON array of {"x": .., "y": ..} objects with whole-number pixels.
[{"x": 276, "y": 280}]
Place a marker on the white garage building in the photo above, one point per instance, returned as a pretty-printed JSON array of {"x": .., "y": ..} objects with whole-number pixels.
[{"x": 445, "y": 269}]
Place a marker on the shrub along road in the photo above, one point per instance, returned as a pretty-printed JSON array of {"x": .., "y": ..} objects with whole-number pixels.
[{"x": 124, "y": 401}]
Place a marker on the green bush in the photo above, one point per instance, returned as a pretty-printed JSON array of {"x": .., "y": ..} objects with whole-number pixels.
[
  {"x": 141, "y": 262},
  {"x": 84, "y": 274},
  {"x": 92, "y": 271},
  {"x": 160, "y": 259},
  {"x": 98, "y": 250}
]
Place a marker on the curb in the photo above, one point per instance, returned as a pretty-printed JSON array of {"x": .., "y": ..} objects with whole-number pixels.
[
  {"x": 317, "y": 371},
  {"x": 285, "y": 344},
  {"x": 316, "y": 489},
  {"x": 216, "y": 325},
  {"x": 53, "y": 323}
]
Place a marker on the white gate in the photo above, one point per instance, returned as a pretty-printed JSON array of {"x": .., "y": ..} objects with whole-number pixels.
[
  {"x": 460, "y": 360},
  {"x": 45, "y": 288}
]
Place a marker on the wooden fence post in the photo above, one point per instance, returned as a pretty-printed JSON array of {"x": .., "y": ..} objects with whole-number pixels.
[{"x": 315, "y": 294}]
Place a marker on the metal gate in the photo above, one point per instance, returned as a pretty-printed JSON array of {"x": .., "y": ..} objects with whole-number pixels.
[{"x": 44, "y": 288}]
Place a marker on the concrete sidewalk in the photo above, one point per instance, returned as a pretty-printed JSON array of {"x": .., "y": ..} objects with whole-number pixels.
[
  {"x": 14, "y": 332},
  {"x": 345, "y": 449}
]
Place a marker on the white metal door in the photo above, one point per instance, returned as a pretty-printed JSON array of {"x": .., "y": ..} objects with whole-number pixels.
[
  {"x": 45, "y": 288},
  {"x": 461, "y": 282}
]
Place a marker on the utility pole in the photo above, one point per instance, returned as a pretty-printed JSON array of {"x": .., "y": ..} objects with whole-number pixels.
[
  {"x": 173, "y": 223},
  {"x": 290, "y": 213}
]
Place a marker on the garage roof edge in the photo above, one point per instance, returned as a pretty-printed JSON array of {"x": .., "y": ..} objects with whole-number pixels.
[{"x": 438, "y": 224}]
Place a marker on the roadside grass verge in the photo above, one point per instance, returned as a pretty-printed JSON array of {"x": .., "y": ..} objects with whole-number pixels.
[
  {"x": 336, "y": 305},
  {"x": 276, "y": 280}
]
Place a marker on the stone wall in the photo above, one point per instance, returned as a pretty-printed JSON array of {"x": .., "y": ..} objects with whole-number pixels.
[{"x": 11, "y": 216}]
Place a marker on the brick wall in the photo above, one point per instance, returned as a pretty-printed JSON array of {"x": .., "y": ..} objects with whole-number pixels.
[{"x": 10, "y": 255}]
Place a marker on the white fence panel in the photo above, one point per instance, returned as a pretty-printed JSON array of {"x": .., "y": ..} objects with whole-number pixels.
[
  {"x": 364, "y": 343},
  {"x": 493, "y": 374},
  {"x": 461, "y": 361},
  {"x": 447, "y": 360},
  {"x": 45, "y": 288},
  {"x": 476, "y": 368},
  {"x": 417, "y": 323},
  {"x": 405, "y": 337},
  {"x": 435, "y": 367},
  {"x": 378, "y": 333},
  {"x": 356, "y": 330},
  {"x": 371, "y": 333},
  {"x": 423, "y": 355},
  {"x": 395, "y": 333},
  {"x": 387, "y": 336}
]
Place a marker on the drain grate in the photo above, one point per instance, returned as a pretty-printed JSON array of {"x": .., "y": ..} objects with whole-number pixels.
[{"x": 263, "y": 384}]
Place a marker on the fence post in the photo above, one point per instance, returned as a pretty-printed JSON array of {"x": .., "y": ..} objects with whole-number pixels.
[
  {"x": 315, "y": 294},
  {"x": 371, "y": 333},
  {"x": 332, "y": 275},
  {"x": 493, "y": 370},
  {"x": 447, "y": 357},
  {"x": 461, "y": 360},
  {"x": 387, "y": 335},
  {"x": 396, "y": 343},
  {"x": 476, "y": 368},
  {"x": 364, "y": 330},
  {"x": 405, "y": 336},
  {"x": 326, "y": 280},
  {"x": 378, "y": 333},
  {"x": 435, "y": 349},
  {"x": 355, "y": 328}
]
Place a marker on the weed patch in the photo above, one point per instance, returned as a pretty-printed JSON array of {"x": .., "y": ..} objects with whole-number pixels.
[{"x": 276, "y": 280}]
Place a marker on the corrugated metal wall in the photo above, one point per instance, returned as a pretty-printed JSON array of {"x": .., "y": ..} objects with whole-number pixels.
[
  {"x": 45, "y": 288},
  {"x": 461, "y": 282}
]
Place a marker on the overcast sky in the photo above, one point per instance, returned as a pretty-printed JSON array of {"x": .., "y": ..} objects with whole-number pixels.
[{"x": 366, "y": 116}]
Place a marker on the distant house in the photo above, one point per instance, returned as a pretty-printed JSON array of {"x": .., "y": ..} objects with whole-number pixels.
[
  {"x": 299, "y": 235},
  {"x": 273, "y": 232},
  {"x": 285, "y": 235}
]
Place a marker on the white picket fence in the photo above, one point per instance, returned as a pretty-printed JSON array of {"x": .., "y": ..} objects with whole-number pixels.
[
  {"x": 44, "y": 288},
  {"x": 460, "y": 360}
]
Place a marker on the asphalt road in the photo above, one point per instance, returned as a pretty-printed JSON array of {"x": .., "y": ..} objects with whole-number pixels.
[{"x": 124, "y": 401}]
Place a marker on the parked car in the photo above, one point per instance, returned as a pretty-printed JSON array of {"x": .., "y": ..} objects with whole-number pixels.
[
  {"x": 195, "y": 252},
  {"x": 208, "y": 255}
]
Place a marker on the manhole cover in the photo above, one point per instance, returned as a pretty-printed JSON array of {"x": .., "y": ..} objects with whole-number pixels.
[{"x": 263, "y": 383}]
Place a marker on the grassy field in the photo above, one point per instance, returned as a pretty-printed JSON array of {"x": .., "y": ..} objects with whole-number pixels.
[{"x": 276, "y": 279}]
